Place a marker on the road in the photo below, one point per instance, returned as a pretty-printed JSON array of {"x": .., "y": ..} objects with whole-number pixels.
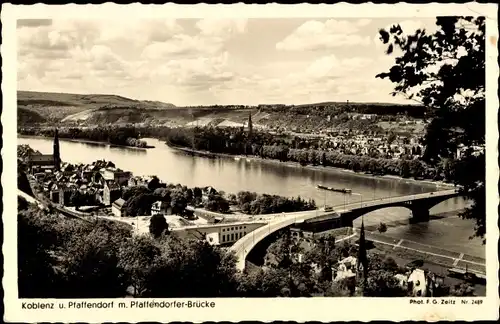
[{"x": 247, "y": 243}]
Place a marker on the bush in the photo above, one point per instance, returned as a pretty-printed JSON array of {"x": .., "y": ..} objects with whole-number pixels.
[
  {"x": 382, "y": 228},
  {"x": 157, "y": 225}
]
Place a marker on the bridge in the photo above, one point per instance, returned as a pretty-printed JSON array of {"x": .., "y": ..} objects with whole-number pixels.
[{"x": 419, "y": 205}]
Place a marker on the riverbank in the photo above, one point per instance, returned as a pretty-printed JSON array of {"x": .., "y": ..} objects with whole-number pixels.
[
  {"x": 77, "y": 140},
  {"x": 310, "y": 167}
]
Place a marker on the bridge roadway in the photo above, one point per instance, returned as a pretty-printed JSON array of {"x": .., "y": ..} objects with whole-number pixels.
[{"x": 244, "y": 245}]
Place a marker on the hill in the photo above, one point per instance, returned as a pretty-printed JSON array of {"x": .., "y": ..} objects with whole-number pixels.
[
  {"x": 40, "y": 107},
  {"x": 56, "y": 107}
]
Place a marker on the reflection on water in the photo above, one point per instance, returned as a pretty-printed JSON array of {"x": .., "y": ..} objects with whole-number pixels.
[{"x": 232, "y": 175}]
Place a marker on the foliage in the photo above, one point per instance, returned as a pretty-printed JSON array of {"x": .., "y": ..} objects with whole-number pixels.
[
  {"x": 60, "y": 257},
  {"x": 138, "y": 257},
  {"x": 255, "y": 204},
  {"x": 139, "y": 205},
  {"x": 382, "y": 228},
  {"x": 91, "y": 265},
  {"x": 22, "y": 180},
  {"x": 195, "y": 269},
  {"x": 445, "y": 71},
  {"x": 158, "y": 225},
  {"x": 125, "y": 135},
  {"x": 462, "y": 290},
  {"x": 35, "y": 241},
  {"x": 217, "y": 203}
]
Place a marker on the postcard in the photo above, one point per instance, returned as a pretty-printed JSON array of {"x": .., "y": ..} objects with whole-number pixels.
[{"x": 250, "y": 162}]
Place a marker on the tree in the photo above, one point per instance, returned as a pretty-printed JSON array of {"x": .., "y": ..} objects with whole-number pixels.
[
  {"x": 90, "y": 263},
  {"x": 138, "y": 256},
  {"x": 158, "y": 225},
  {"x": 217, "y": 203},
  {"x": 445, "y": 71},
  {"x": 382, "y": 228},
  {"x": 195, "y": 269},
  {"x": 154, "y": 183},
  {"x": 461, "y": 290},
  {"x": 178, "y": 202},
  {"x": 36, "y": 238}
]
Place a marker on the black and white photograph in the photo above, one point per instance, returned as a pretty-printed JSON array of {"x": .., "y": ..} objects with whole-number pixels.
[{"x": 246, "y": 157}]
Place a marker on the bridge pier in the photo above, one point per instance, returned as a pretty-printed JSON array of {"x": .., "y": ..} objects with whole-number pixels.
[{"x": 420, "y": 215}]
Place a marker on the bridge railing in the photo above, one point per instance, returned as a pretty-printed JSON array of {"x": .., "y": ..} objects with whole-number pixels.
[{"x": 398, "y": 198}]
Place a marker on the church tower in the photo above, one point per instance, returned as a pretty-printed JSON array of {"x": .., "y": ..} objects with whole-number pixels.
[
  {"x": 56, "y": 153},
  {"x": 362, "y": 262},
  {"x": 250, "y": 126}
]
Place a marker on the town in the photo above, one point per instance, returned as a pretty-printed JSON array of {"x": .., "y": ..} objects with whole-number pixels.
[{"x": 213, "y": 159}]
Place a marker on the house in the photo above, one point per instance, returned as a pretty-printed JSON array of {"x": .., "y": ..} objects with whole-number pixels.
[
  {"x": 417, "y": 283},
  {"x": 61, "y": 194},
  {"x": 160, "y": 207},
  {"x": 40, "y": 160},
  {"x": 112, "y": 192},
  {"x": 117, "y": 207},
  {"x": 346, "y": 269},
  {"x": 119, "y": 176}
]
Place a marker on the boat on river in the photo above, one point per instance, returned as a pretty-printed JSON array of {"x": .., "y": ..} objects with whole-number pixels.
[{"x": 342, "y": 190}]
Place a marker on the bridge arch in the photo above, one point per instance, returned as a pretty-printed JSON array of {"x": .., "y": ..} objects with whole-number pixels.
[{"x": 419, "y": 207}]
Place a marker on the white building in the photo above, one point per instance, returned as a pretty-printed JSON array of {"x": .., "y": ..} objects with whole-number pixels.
[
  {"x": 222, "y": 233},
  {"x": 346, "y": 268},
  {"x": 417, "y": 282},
  {"x": 160, "y": 207},
  {"x": 117, "y": 207}
]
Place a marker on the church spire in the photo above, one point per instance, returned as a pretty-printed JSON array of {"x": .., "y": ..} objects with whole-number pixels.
[
  {"x": 56, "y": 153},
  {"x": 250, "y": 126},
  {"x": 362, "y": 263}
]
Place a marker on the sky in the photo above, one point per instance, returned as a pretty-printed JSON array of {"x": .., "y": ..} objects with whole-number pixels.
[{"x": 206, "y": 61}]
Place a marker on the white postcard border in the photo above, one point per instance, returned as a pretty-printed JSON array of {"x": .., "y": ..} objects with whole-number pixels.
[{"x": 233, "y": 309}]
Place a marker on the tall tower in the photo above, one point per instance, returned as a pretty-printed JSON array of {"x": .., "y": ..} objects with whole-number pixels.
[
  {"x": 250, "y": 124},
  {"x": 56, "y": 153},
  {"x": 362, "y": 262}
]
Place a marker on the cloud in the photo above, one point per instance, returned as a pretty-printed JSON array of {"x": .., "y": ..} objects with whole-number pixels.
[
  {"x": 315, "y": 35},
  {"x": 325, "y": 79},
  {"x": 190, "y": 62},
  {"x": 211, "y": 39},
  {"x": 222, "y": 27},
  {"x": 331, "y": 66},
  {"x": 57, "y": 39},
  {"x": 201, "y": 72},
  {"x": 30, "y": 23},
  {"x": 140, "y": 32},
  {"x": 183, "y": 45}
]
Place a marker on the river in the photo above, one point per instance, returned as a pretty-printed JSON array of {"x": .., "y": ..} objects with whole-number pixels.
[{"x": 232, "y": 175}]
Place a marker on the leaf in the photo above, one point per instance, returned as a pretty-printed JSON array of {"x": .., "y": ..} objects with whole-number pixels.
[{"x": 390, "y": 49}]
